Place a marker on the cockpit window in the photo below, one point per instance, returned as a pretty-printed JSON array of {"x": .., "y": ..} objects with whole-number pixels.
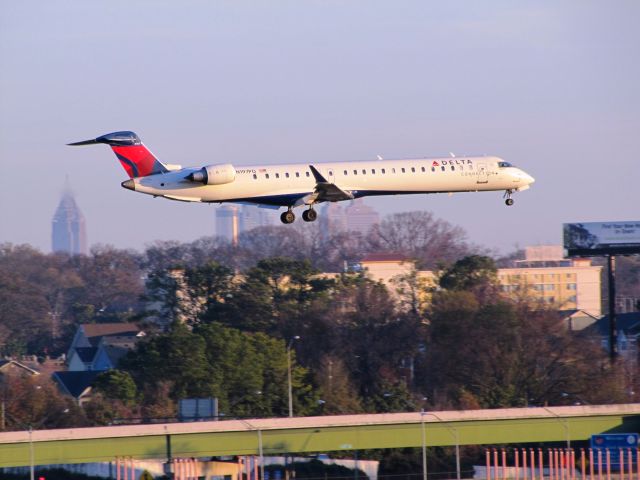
[{"x": 504, "y": 164}]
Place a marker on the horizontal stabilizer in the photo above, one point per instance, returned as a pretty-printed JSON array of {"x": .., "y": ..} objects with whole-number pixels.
[{"x": 85, "y": 142}]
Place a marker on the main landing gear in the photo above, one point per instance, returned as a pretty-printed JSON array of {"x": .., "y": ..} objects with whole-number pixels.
[
  {"x": 289, "y": 217},
  {"x": 309, "y": 215},
  {"x": 509, "y": 200}
]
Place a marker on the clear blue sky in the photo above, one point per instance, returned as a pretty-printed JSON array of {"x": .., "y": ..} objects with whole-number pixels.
[{"x": 550, "y": 86}]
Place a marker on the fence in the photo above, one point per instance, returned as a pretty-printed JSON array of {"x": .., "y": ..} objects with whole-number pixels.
[{"x": 562, "y": 464}]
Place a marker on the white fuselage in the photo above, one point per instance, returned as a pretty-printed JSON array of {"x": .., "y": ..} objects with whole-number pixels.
[{"x": 291, "y": 184}]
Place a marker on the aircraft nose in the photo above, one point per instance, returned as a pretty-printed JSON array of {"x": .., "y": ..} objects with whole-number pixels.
[{"x": 528, "y": 178}]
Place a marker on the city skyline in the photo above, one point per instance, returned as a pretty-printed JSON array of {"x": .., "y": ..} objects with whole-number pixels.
[{"x": 549, "y": 87}]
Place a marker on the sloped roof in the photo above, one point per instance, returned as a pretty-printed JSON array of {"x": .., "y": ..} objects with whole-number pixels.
[
  {"x": 115, "y": 353},
  {"x": 6, "y": 365},
  {"x": 384, "y": 257},
  {"x": 75, "y": 383},
  {"x": 626, "y": 322},
  {"x": 120, "y": 340},
  {"x": 86, "y": 354},
  {"x": 96, "y": 330}
]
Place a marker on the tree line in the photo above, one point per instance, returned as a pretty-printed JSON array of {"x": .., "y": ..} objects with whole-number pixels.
[{"x": 236, "y": 314}]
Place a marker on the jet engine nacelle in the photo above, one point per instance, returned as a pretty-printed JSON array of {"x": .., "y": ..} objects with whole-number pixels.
[{"x": 214, "y": 174}]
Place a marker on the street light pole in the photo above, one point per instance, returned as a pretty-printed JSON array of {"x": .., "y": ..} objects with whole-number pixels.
[
  {"x": 564, "y": 423},
  {"x": 453, "y": 431},
  {"x": 424, "y": 447},
  {"x": 289, "y": 382}
]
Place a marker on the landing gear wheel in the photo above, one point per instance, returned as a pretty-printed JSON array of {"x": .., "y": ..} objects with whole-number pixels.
[
  {"x": 287, "y": 217},
  {"x": 507, "y": 195},
  {"x": 309, "y": 215}
]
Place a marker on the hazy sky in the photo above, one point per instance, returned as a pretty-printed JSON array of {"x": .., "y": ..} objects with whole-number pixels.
[{"x": 550, "y": 86}]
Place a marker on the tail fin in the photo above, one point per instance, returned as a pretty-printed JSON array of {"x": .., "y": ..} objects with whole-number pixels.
[{"x": 133, "y": 155}]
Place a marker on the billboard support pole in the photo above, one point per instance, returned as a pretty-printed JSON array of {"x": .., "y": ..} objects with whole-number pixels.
[{"x": 613, "y": 331}]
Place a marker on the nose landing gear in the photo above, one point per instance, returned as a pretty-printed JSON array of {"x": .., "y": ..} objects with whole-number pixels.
[{"x": 509, "y": 200}]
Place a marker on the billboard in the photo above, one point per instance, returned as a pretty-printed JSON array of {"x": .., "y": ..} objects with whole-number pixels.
[
  {"x": 601, "y": 238},
  {"x": 622, "y": 449}
]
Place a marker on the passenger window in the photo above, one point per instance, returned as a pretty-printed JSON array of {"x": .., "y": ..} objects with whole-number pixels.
[
  {"x": 393, "y": 170},
  {"x": 364, "y": 172},
  {"x": 355, "y": 172},
  {"x": 433, "y": 169},
  {"x": 373, "y": 171},
  {"x": 402, "y": 169},
  {"x": 286, "y": 174},
  {"x": 297, "y": 174},
  {"x": 413, "y": 170},
  {"x": 442, "y": 168},
  {"x": 345, "y": 172},
  {"x": 330, "y": 173},
  {"x": 424, "y": 169},
  {"x": 266, "y": 175},
  {"x": 255, "y": 177},
  {"x": 383, "y": 171},
  {"x": 277, "y": 175},
  {"x": 452, "y": 167},
  {"x": 307, "y": 174}
]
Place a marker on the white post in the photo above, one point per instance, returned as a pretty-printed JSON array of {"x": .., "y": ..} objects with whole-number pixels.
[
  {"x": 31, "y": 456},
  {"x": 424, "y": 447},
  {"x": 290, "y": 387}
]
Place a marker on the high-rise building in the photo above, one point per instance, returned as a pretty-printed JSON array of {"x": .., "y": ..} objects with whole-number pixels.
[
  {"x": 228, "y": 222},
  {"x": 68, "y": 229},
  {"x": 360, "y": 217},
  {"x": 232, "y": 220}
]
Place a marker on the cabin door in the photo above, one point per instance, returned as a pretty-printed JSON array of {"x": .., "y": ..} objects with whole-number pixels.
[{"x": 482, "y": 173}]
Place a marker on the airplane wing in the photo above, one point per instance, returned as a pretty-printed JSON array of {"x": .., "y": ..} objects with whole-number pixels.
[{"x": 326, "y": 191}]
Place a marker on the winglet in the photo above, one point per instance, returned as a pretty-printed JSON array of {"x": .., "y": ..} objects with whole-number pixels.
[{"x": 317, "y": 175}]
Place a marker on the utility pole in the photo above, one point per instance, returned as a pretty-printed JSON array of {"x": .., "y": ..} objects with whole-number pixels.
[{"x": 613, "y": 329}]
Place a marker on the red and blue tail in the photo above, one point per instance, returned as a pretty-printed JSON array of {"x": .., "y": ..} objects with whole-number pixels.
[{"x": 133, "y": 155}]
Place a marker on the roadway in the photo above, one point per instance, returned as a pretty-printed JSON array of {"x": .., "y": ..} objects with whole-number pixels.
[{"x": 273, "y": 436}]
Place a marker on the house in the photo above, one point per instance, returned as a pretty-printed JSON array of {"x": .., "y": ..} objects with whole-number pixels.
[
  {"x": 576, "y": 320},
  {"x": 95, "y": 348},
  {"x": 628, "y": 326},
  {"x": 111, "y": 350},
  {"x": 98, "y": 346},
  {"x": 81, "y": 358}
]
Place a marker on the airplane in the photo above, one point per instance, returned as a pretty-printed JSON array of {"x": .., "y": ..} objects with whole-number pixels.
[{"x": 307, "y": 184}]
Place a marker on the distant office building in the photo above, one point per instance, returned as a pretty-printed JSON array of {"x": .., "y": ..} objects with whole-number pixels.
[
  {"x": 571, "y": 284},
  {"x": 568, "y": 284},
  {"x": 360, "y": 217},
  {"x": 68, "y": 229},
  {"x": 332, "y": 219},
  {"x": 253, "y": 217},
  {"x": 354, "y": 216},
  {"x": 228, "y": 222},
  {"x": 232, "y": 220}
]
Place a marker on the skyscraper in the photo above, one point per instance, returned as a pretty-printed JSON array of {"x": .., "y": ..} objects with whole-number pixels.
[
  {"x": 360, "y": 217},
  {"x": 68, "y": 230},
  {"x": 227, "y": 222},
  {"x": 232, "y": 220}
]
